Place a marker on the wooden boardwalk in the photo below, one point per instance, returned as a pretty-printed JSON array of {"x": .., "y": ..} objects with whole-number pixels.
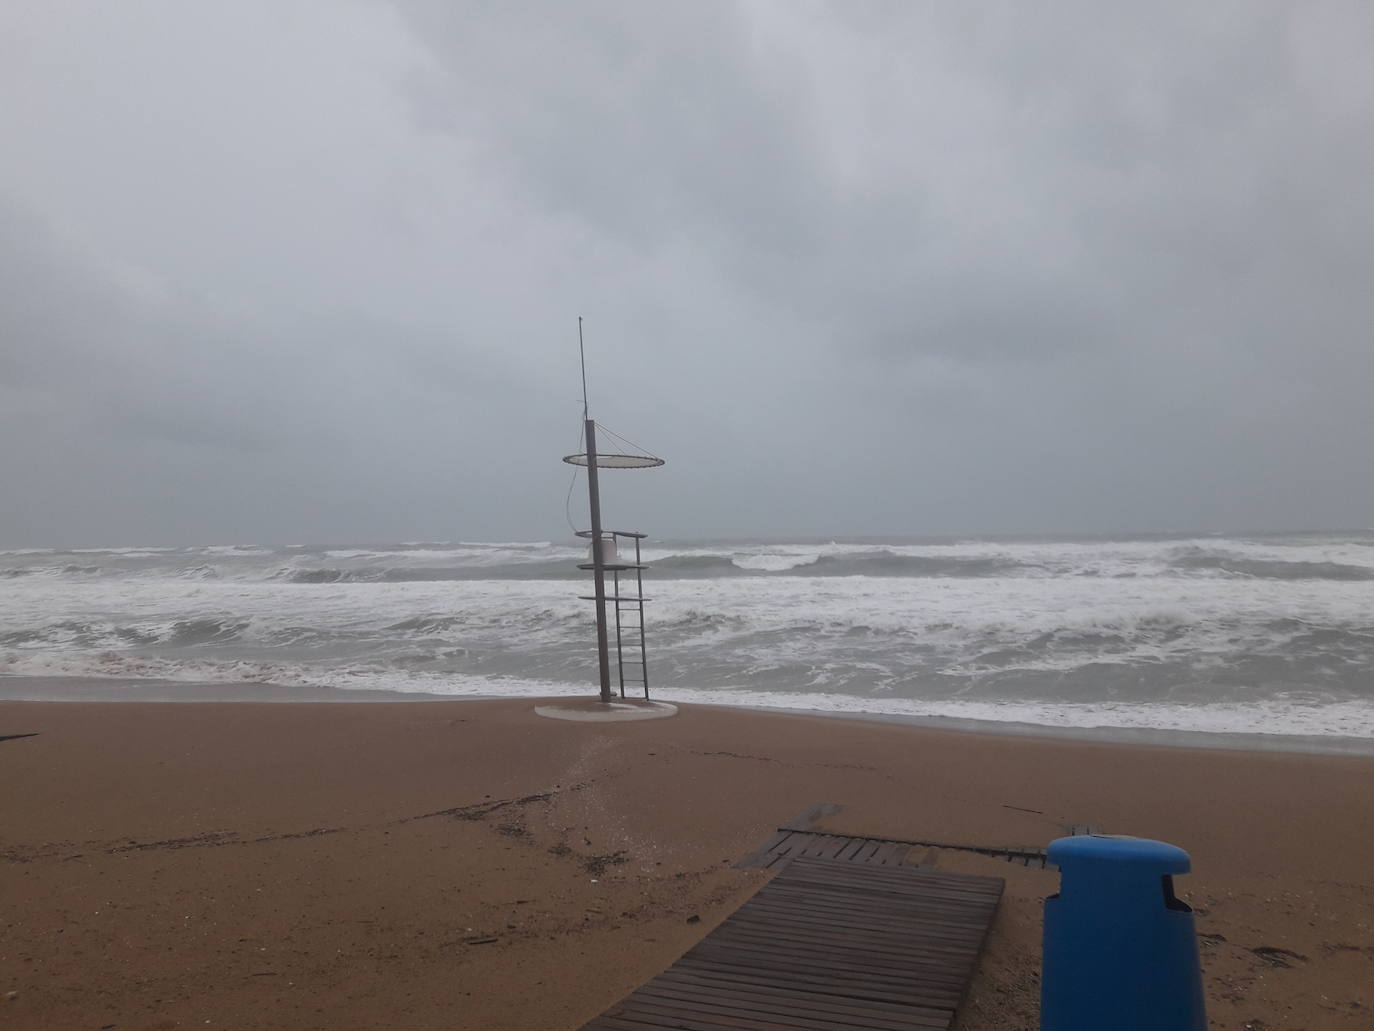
[
  {"x": 789, "y": 843},
  {"x": 827, "y": 945},
  {"x": 799, "y": 837},
  {"x": 796, "y": 844}
]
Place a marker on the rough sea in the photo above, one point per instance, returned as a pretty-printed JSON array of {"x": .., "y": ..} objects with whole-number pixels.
[{"x": 1246, "y": 633}]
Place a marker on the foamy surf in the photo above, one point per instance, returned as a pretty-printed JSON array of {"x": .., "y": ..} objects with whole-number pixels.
[{"x": 1267, "y": 634}]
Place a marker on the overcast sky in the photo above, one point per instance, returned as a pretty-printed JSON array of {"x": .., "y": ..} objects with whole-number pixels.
[{"x": 310, "y": 270}]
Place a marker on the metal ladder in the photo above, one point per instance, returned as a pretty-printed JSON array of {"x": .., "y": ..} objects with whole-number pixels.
[{"x": 631, "y": 655}]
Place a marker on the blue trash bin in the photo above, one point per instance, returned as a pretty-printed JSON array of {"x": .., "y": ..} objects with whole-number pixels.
[{"x": 1120, "y": 949}]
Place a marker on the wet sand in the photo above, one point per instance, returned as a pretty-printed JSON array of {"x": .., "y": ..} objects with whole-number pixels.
[{"x": 470, "y": 865}]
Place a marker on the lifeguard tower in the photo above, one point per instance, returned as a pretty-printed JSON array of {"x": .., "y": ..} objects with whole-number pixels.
[{"x": 616, "y": 552}]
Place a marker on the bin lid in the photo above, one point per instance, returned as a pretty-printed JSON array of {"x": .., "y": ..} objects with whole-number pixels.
[{"x": 1118, "y": 851}]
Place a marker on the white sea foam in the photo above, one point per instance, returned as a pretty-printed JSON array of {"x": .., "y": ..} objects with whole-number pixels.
[
  {"x": 1352, "y": 719},
  {"x": 481, "y": 555},
  {"x": 773, "y": 561},
  {"x": 513, "y": 545},
  {"x": 1134, "y": 633}
]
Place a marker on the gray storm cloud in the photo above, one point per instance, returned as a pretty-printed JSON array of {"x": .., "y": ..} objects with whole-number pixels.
[{"x": 312, "y": 271}]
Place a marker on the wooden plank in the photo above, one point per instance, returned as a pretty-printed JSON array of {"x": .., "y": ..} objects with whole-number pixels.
[
  {"x": 798, "y": 1014},
  {"x": 715, "y": 1007},
  {"x": 835, "y": 987},
  {"x": 841, "y": 920},
  {"x": 934, "y": 969},
  {"x": 803, "y": 1011},
  {"x": 837, "y": 845},
  {"x": 811, "y": 896},
  {"x": 892, "y": 932},
  {"x": 932, "y": 955},
  {"x": 728, "y": 983},
  {"x": 805, "y": 988},
  {"x": 889, "y": 853},
  {"x": 887, "y": 1016},
  {"x": 851, "y": 985},
  {"x": 954, "y": 882},
  {"x": 802, "y": 990},
  {"x": 830, "y": 944},
  {"x": 844, "y": 908},
  {"x": 961, "y": 884},
  {"x": 851, "y": 849},
  {"x": 807, "y": 844},
  {"x": 799, "y": 837},
  {"x": 881, "y": 966},
  {"x": 677, "y": 1016},
  {"x": 825, "y": 846},
  {"x": 856, "y": 945},
  {"x": 878, "y": 923},
  {"x": 912, "y": 889},
  {"x": 913, "y": 893},
  {"x": 865, "y": 852},
  {"x": 916, "y": 943}
]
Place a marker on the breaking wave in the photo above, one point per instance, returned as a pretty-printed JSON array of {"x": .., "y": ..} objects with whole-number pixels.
[
  {"x": 889, "y": 563},
  {"x": 185, "y": 632},
  {"x": 317, "y": 576},
  {"x": 1272, "y": 569},
  {"x": 878, "y": 562}
]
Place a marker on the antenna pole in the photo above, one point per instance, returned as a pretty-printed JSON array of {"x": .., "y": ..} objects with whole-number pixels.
[
  {"x": 582, "y": 351},
  {"x": 603, "y": 653}
]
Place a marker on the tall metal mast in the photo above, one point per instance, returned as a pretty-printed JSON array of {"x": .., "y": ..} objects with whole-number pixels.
[{"x": 603, "y": 653}]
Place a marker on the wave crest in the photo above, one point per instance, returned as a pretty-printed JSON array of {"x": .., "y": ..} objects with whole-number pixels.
[{"x": 1269, "y": 569}]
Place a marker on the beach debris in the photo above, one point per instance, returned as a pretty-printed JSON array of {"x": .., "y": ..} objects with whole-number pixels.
[
  {"x": 598, "y": 864},
  {"x": 480, "y": 810},
  {"x": 694, "y": 919},
  {"x": 478, "y": 941},
  {"x": 1277, "y": 957}
]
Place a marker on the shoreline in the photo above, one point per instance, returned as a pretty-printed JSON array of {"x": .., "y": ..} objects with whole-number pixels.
[
  {"x": 132, "y": 690},
  {"x": 126, "y": 690}
]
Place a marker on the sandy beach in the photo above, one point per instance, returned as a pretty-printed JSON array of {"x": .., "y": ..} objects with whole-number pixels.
[{"x": 470, "y": 865}]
